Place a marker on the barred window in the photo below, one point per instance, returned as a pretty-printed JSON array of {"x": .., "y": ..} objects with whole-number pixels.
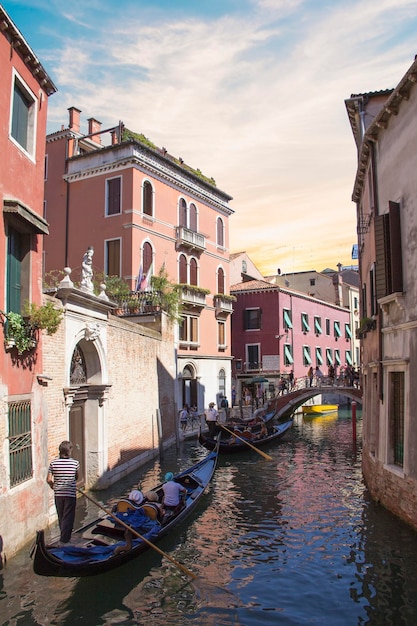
[{"x": 20, "y": 442}]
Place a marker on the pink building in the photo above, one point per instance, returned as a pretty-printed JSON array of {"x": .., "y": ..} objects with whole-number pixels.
[
  {"x": 23, "y": 108},
  {"x": 142, "y": 209},
  {"x": 276, "y": 330}
]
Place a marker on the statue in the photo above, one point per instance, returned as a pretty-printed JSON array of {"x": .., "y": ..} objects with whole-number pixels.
[{"x": 87, "y": 271}]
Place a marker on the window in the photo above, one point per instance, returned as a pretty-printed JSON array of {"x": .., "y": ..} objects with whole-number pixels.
[
  {"x": 221, "y": 334},
  {"x": 348, "y": 332},
  {"x": 20, "y": 442},
  {"x": 183, "y": 213},
  {"x": 337, "y": 331},
  {"x": 252, "y": 319},
  {"x": 193, "y": 217},
  {"x": 253, "y": 356},
  {"x": 288, "y": 356},
  {"x": 388, "y": 267},
  {"x": 220, "y": 232},
  {"x": 319, "y": 357},
  {"x": 317, "y": 325},
  {"x": 222, "y": 382},
  {"x": 23, "y": 122},
  {"x": 113, "y": 196},
  {"x": 304, "y": 323},
  {"x": 396, "y": 417},
  {"x": 193, "y": 272},
  {"x": 147, "y": 256},
  {"x": 329, "y": 356},
  {"x": 147, "y": 198},
  {"x": 188, "y": 329},
  {"x": 112, "y": 257},
  {"x": 183, "y": 269},
  {"x": 287, "y": 323},
  {"x": 306, "y": 356},
  {"x": 312, "y": 282},
  {"x": 327, "y": 326},
  {"x": 18, "y": 261},
  {"x": 220, "y": 280}
]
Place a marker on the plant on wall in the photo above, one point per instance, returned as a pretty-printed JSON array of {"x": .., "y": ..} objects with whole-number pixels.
[
  {"x": 167, "y": 294},
  {"x": 20, "y": 332}
]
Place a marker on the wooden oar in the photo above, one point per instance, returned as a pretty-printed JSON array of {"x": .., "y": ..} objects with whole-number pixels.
[
  {"x": 266, "y": 456},
  {"x": 134, "y": 532}
]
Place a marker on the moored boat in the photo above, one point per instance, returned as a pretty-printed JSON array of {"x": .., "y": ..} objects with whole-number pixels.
[
  {"x": 319, "y": 409},
  {"x": 232, "y": 443},
  {"x": 102, "y": 545}
]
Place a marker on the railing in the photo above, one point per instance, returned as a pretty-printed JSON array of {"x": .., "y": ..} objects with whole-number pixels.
[
  {"x": 189, "y": 238},
  {"x": 193, "y": 297},
  {"x": 223, "y": 305},
  {"x": 138, "y": 303}
]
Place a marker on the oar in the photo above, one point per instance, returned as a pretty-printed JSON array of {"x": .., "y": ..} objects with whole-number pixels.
[
  {"x": 134, "y": 532},
  {"x": 266, "y": 456}
]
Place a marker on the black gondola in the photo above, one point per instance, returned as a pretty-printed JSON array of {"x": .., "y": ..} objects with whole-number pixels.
[
  {"x": 96, "y": 547},
  {"x": 230, "y": 444}
]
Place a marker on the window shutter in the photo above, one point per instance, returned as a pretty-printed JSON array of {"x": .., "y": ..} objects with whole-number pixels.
[
  {"x": 382, "y": 260},
  {"x": 395, "y": 248}
]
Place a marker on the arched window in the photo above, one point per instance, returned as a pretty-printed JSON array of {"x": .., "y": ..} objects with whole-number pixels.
[
  {"x": 193, "y": 217},
  {"x": 222, "y": 382},
  {"x": 147, "y": 198},
  {"x": 147, "y": 255},
  {"x": 183, "y": 269},
  {"x": 78, "y": 371},
  {"x": 183, "y": 213},
  {"x": 220, "y": 280},
  {"x": 193, "y": 272},
  {"x": 220, "y": 232}
]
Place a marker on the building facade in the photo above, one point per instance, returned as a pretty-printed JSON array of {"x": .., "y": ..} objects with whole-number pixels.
[
  {"x": 25, "y": 89},
  {"x": 385, "y": 193},
  {"x": 276, "y": 331},
  {"x": 141, "y": 210}
]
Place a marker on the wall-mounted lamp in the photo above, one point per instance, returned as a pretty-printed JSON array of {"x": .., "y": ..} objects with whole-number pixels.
[{"x": 43, "y": 379}]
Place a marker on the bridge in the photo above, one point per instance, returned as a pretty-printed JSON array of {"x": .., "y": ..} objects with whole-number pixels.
[{"x": 286, "y": 404}]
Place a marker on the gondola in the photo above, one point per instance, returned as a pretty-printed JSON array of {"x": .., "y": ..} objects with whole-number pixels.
[
  {"x": 231, "y": 444},
  {"x": 97, "y": 547}
]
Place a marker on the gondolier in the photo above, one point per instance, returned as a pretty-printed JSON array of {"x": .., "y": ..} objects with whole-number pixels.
[
  {"x": 211, "y": 419},
  {"x": 62, "y": 478}
]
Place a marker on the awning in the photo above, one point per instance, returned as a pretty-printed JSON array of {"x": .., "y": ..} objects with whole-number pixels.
[
  {"x": 348, "y": 357},
  {"x": 337, "y": 332},
  {"x": 23, "y": 212},
  {"x": 337, "y": 357},
  {"x": 317, "y": 326},
  {"x": 329, "y": 356},
  {"x": 304, "y": 322},
  {"x": 306, "y": 354},
  {"x": 288, "y": 355},
  {"x": 348, "y": 332},
  {"x": 287, "y": 319},
  {"x": 319, "y": 357}
]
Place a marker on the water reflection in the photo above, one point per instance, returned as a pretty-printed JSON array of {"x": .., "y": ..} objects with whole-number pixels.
[{"x": 294, "y": 540}]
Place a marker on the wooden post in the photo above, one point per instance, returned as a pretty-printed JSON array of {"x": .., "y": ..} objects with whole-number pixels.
[{"x": 354, "y": 420}]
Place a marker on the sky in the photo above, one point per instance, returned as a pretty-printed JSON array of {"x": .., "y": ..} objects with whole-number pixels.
[{"x": 251, "y": 92}]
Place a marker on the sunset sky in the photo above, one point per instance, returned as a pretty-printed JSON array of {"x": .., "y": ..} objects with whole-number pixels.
[{"x": 251, "y": 92}]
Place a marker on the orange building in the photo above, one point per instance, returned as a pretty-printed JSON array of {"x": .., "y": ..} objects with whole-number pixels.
[
  {"x": 23, "y": 109},
  {"x": 142, "y": 209}
]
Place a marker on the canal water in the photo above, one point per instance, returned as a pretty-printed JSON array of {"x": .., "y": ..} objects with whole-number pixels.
[{"x": 291, "y": 541}]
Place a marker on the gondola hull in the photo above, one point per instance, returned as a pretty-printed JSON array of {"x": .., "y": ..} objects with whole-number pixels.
[
  {"x": 228, "y": 446},
  {"x": 93, "y": 548}
]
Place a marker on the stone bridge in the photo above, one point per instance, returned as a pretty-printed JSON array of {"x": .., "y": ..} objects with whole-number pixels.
[{"x": 286, "y": 404}]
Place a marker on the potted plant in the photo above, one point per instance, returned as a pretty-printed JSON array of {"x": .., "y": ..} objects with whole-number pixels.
[{"x": 20, "y": 332}]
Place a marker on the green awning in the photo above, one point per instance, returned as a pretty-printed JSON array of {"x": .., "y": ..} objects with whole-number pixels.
[
  {"x": 348, "y": 332},
  {"x": 319, "y": 357},
  {"x": 304, "y": 322},
  {"x": 306, "y": 354},
  {"x": 317, "y": 327},
  {"x": 337, "y": 357},
  {"x": 348, "y": 357},
  {"x": 287, "y": 319},
  {"x": 288, "y": 355},
  {"x": 337, "y": 332},
  {"x": 329, "y": 356}
]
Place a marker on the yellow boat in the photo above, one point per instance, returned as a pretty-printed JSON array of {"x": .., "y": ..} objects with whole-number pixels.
[{"x": 319, "y": 409}]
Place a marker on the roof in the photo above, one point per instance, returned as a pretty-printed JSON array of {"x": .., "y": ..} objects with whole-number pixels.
[{"x": 22, "y": 48}]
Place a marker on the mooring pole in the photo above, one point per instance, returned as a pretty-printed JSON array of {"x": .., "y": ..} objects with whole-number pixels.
[{"x": 354, "y": 420}]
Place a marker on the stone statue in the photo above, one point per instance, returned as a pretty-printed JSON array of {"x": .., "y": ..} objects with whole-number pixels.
[{"x": 87, "y": 271}]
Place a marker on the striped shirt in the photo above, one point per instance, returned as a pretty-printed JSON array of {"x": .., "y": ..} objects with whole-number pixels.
[{"x": 65, "y": 473}]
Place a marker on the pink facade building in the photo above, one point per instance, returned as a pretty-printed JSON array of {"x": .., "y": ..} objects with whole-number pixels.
[
  {"x": 141, "y": 209},
  {"x": 23, "y": 109},
  {"x": 276, "y": 330}
]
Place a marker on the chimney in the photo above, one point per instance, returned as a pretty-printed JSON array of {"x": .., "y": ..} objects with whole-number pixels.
[
  {"x": 114, "y": 140},
  {"x": 74, "y": 119},
  {"x": 94, "y": 126}
]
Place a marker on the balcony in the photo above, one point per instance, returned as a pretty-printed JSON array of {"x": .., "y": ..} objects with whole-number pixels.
[
  {"x": 223, "y": 304},
  {"x": 193, "y": 296},
  {"x": 189, "y": 239}
]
